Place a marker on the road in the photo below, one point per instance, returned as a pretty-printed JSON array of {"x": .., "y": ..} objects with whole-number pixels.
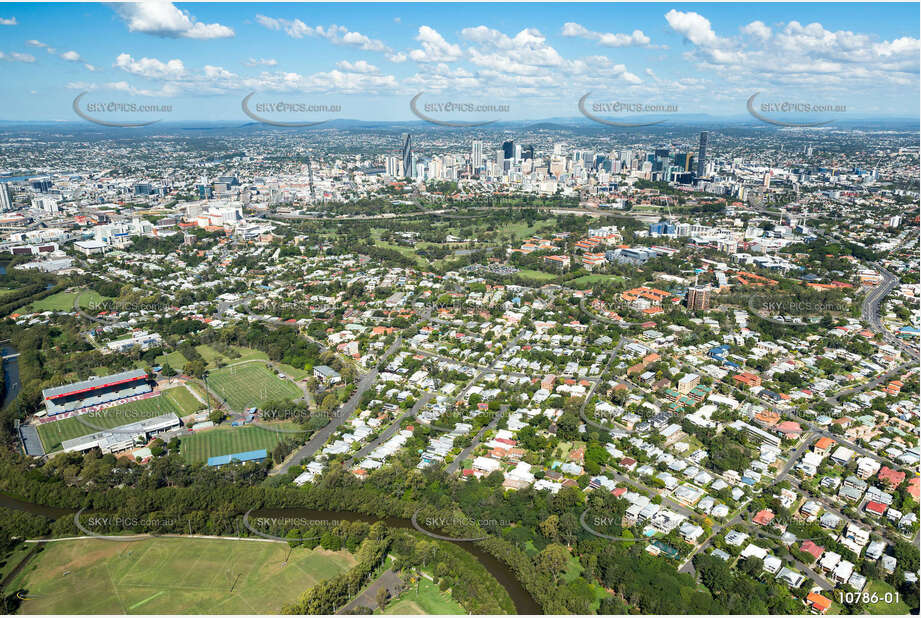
[
  {"x": 320, "y": 438},
  {"x": 391, "y": 429},
  {"x": 368, "y": 596},
  {"x": 464, "y": 454}
]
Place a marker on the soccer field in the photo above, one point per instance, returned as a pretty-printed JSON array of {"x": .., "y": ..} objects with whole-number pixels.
[
  {"x": 250, "y": 385},
  {"x": 172, "y": 576},
  {"x": 198, "y": 447},
  {"x": 52, "y": 434}
]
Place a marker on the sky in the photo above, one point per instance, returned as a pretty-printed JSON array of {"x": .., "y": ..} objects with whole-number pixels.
[{"x": 523, "y": 61}]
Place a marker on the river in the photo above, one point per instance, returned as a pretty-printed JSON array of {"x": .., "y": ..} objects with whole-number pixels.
[
  {"x": 10, "y": 375},
  {"x": 524, "y": 604}
]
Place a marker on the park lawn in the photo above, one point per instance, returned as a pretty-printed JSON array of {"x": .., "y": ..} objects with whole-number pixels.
[
  {"x": 247, "y": 354},
  {"x": 521, "y": 229},
  {"x": 294, "y": 372},
  {"x": 587, "y": 281},
  {"x": 53, "y": 433},
  {"x": 174, "y": 359},
  {"x": 199, "y": 446},
  {"x": 881, "y": 589},
  {"x": 210, "y": 355},
  {"x": 183, "y": 399},
  {"x": 13, "y": 558},
  {"x": 428, "y": 600},
  {"x": 536, "y": 275},
  {"x": 62, "y": 301},
  {"x": 91, "y": 298},
  {"x": 173, "y": 576},
  {"x": 250, "y": 385}
]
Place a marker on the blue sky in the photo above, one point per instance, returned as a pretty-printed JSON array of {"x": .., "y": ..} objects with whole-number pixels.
[{"x": 538, "y": 59}]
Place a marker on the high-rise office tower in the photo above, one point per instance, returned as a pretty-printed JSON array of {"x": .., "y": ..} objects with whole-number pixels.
[
  {"x": 527, "y": 153},
  {"x": 699, "y": 298},
  {"x": 5, "y": 202},
  {"x": 407, "y": 154},
  {"x": 508, "y": 149},
  {"x": 702, "y": 154},
  {"x": 500, "y": 161},
  {"x": 393, "y": 166},
  {"x": 517, "y": 151},
  {"x": 476, "y": 154},
  {"x": 683, "y": 160}
]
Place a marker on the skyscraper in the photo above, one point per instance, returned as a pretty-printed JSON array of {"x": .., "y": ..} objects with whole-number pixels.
[
  {"x": 508, "y": 149},
  {"x": 5, "y": 201},
  {"x": 702, "y": 154},
  {"x": 683, "y": 160},
  {"x": 476, "y": 154},
  {"x": 407, "y": 154}
]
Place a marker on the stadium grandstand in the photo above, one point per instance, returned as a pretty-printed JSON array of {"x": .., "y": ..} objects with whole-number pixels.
[
  {"x": 123, "y": 437},
  {"x": 95, "y": 391}
]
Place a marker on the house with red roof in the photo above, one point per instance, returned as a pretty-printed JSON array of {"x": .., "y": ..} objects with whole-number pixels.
[
  {"x": 764, "y": 517},
  {"x": 789, "y": 429},
  {"x": 894, "y": 478},
  {"x": 812, "y": 549},
  {"x": 914, "y": 487},
  {"x": 817, "y": 602},
  {"x": 875, "y": 508}
]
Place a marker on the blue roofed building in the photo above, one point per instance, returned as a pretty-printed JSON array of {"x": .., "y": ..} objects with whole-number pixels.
[{"x": 220, "y": 460}]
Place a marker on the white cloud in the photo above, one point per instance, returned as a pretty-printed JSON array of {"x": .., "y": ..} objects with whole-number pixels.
[
  {"x": 694, "y": 27},
  {"x": 151, "y": 67},
  {"x": 608, "y": 39},
  {"x": 758, "y": 30},
  {"x": 165, "y": 20},
  {"x": 213, "y": 72},
  {"x": 45, "y": 46},
  {"x": 397, "y": 57},
  {"x": 8, "y": 21},
  {"x": 357, "y": 67},
  {"x": 434, "y": 47},
  {"x": 527, "y": 47},
  {"x": 338, "y": 35},
  {"x": 71, "y": 56},
  {"x": 16, "y": 57},
  {"x": 257, "y": 62}
]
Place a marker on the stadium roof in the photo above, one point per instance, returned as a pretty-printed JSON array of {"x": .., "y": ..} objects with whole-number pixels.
[
  {"x": 93, "y": 383},
  {"x": 220, "y": 460},
  {"x": 122, "y": 432}
]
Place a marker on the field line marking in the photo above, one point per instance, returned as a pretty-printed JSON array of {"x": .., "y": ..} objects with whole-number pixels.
[{"x": 150, "y": 598}]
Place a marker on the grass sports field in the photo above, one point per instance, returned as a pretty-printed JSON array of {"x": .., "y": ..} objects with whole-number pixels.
[
  {"x": 428, "y": 600},
  {"x": 52, "y": 434},
  {"x": 250, "y": 384},
  {"x": 173, "y": 576},
  {"x": 198, "y": 447},
  {"x": 183, "y": 399},
  {"x": 64, "y": 301}
]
